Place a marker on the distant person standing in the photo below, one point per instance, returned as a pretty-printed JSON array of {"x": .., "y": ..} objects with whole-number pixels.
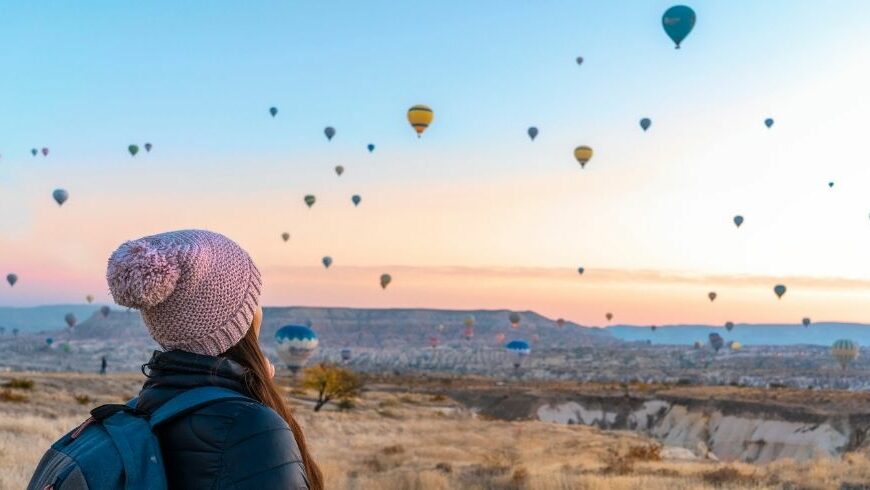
[{"x": 103, "y": 364}]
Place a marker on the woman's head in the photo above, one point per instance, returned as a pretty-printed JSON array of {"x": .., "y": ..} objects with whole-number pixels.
[{"x": 198, "y": 291}]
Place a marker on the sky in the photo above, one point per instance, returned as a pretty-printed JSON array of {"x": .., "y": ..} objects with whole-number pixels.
[{"x": 473, "y": 214}]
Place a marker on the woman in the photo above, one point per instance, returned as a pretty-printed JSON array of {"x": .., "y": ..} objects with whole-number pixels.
[{"x": 199, "y": 294}]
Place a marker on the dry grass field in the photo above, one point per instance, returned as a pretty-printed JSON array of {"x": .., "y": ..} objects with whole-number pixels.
[{"x": 401, "y": 439}]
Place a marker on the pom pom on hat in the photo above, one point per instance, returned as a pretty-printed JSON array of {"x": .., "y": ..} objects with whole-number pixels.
[{"x": 141, "y": 275}]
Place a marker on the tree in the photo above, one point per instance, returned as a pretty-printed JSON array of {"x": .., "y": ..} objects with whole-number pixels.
[{"x": 331, "y": 382}]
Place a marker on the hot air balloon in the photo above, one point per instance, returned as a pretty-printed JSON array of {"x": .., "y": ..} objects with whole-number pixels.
[
  {"x": 581, "y": 270},
  {"x": 609, "y": 316},
  {"x": 11, "y": 279},
  {"x": 285, "y": 236},
  {"x": 738, "y": 220},
  {"x": 45, "y": 152},
  {"x": 735, "y": 346},
  {"x": 519, "y": 350},
  {"x": 296, "y": 343},
  {"x": 579, "y": 60},
  {"x": 697, "y": 345},
  {"x": 844, "y": 351},
  {"x": 653, "y": 328},
  {"x": 273, "y": 111},
  {"x": 433, "y": 342},
  {"x": 729, "y": 326},
  {"x": 645, "y": 123},
  {"x": 327, "y": 261},
  {"x": 806, "y": 321},
  {"x": 712, "y": 296},
  {"x": 420, "y": 116},
  {"x": 89, "y": 298},
  {"x": 560, "y": 322},
  {"x": 148, "y": 147},
  {"x": 370, "y": 147},
  {"x": 310, "y": 200},
  {"x": 716, "y": 341},
  {"x": 386, "y": 279},
  {"x": 514, "y": 318},
  {"x": 66, "y": 348},
  {"x": 533, "y": 133},
  {"x": 768, "y": 122},
  {"x": 469, "y": 321},
  {"x": 468, "y": 333},
  {"x": 49, "y": 341},
  {"x": 60, "y": 196},
  {"x": 339, "y": 170},
  {"x": 678, "y": 22},
  {"x": 345, "y": 355},
  {"x": 70, "y": 320},
  {"x": 34, "y": 151},
  {"x": 583, "y": 154},
  {"x": 105, "y": 310},
  {"x": 830, "y": 184},
  {"x": 133, "y": 149},
  {"x": 329, "y": 131},
  {"x": 779, "y": 289}
]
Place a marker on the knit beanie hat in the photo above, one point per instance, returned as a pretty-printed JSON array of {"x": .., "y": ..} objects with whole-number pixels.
[{"x": 197, "y": 290}]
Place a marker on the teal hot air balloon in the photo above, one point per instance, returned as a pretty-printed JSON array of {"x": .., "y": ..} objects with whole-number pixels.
[
  {"x": 738, "y": 220},
  {"x": 716, "y": 341},
  {"x": 356, "y": 199},
  {"x": 327, "y": 261},
  {"x": 60, "y": 196},
  {"x": 768, "y": 122},
  {"x": 296, "y": 343},
  {"x": 34, "y": 151},
  {"x": 70, "y": 320},
  {"x": 133, "y": 149},
  {"x": 310, "y": 200},
  {"x": 273, "y": 111},
  {"x": 520, "y": 350},
  {"x": 830, "y": 184},
  {"x": 105, "y": 310},
  {"x": 645, "y": 123},
  {"x": 533, "y": 133},
  {"x": 370, "y": 147},
  {"x": 779, "y": 289},
  {"x": 329, "y": 131},
  {"x": 678, "y": 22},
  {"x": 49, "y": 341},
  {"x": 729, "y": 326}
]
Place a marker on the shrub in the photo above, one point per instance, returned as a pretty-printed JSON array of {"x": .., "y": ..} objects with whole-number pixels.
[
  {"x": 8, "y": 395},
  {"x": 520, "y": 476},
  {"x": 346, "y": 404},
  {"x": 729, "y": 476},
  {"x": 444, "y": 467},
  {"x": 649, "y": 452},
  {"x": 83, "y": 399},
  {"x": 19, "y": 384},
  {"x": 395, "y": 449},
  {"x": 438, "y": 398}
]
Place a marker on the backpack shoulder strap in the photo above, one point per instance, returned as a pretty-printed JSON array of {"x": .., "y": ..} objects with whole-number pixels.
[{"x": 192, "y": 400}]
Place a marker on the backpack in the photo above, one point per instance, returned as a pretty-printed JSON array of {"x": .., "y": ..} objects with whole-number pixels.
[{"x": 116, "y": 448}]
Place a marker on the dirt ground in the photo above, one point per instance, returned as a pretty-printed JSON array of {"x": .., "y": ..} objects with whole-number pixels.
[{"x": 398, "y": 437}]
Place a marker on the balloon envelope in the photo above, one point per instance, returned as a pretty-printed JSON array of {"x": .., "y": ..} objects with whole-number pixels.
[
  {"x": 133, "y": 149},
  {"x": 371, "y": 147},
  {"x": 310, "y": 200},
  {"x": 678, "y": 22},
  {"x": 533, "y": 133},
  {"x": 711, "y": 295},
  {"x": 339, "y": 170},
  {"x": 738, "y": 220},
  {"x": 779, "y": 289},
  {"x": 514, "y": 318},
  {"x": 329, "y": 131},
  {"x": 104, "y": 310},
  {"x": 34, "y": 151},
  {"x": 45, "y": 152},
  {"x": 583, "y": 154},
  {"x": 806, "y": 322},
  {"x": 386, "y": 279},
  {"x": 345, "y": 354},
  {"x": 273, "y": 111},
  {"x": 11, "y": 279},
  {"x": 296, "y": 343},
  {"x": 579, "y": 60},
  {"x": 520, "y": 349},
  {"x": 70, "y": 320},
  {"x": 844, "y": 351},
  {"x": 148, "y": 147},
  {"x": 645, "y": 123},
  {"x": 729, "y": 326},
  {"x": 716, "y": 341},
  {"x": 768, "y": 122},
  {"x": 581, "y": 270},
  {"x": 60, "y": 196},
  {"x": 327, "y": 261},
  {"x": 89, "y": 298},
  {"x": 285, "y": 236},
  {"x": 356, "y": 199},
  {"x": 420, "y": 117},
  {"x": 609, "y": 316}
]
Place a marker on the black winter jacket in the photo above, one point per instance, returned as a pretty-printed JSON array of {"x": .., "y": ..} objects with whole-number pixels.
[{"x": 227, "y": 445}]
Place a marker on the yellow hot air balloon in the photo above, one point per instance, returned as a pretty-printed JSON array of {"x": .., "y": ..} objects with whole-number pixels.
[
  {"x": 420, "y": 116},
  {"x": 583, "y": 154}
]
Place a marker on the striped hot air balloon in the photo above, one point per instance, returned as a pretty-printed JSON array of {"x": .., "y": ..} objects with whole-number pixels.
[
  {"x": 296, "y": 343},
  {"x": 420, "y": 116}
]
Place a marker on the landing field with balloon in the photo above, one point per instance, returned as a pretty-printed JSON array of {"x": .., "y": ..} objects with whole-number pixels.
[{"x": 503, "y": 245}]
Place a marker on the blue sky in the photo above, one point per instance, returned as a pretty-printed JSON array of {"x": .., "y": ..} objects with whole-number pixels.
[{"x": 88, "y": 79}]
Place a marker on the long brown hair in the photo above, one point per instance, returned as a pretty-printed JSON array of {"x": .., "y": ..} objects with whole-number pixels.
[{"x": 259, "y": 382}]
